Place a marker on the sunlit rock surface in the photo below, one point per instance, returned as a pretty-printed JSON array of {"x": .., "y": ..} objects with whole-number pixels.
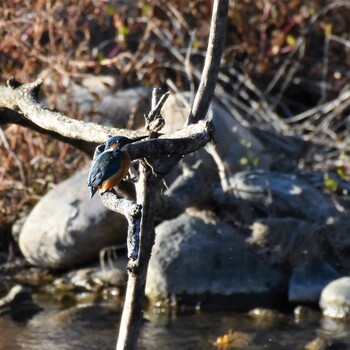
[
  {"x": 335, "y": 298},
  {"x": 281, "y": 194}
]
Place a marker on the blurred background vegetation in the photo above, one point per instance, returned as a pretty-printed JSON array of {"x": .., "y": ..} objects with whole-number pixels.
[{"x": 284, "y": 70}]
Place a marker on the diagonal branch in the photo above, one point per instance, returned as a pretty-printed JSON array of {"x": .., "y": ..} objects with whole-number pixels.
[
  {"x": 23, "y": 100},
  {"x": 19, "y": 105},
  {"x": 212, "y": 62}
]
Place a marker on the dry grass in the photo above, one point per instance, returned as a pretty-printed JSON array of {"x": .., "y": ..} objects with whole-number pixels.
[
  {"x": 285, "y": 68},
  {"x": 30, "y": 165}
]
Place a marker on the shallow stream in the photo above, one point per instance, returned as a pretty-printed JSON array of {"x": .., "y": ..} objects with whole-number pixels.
[{"x": 90, "y": 326}]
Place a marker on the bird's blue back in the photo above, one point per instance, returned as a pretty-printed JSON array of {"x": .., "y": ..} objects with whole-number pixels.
[{"x": 106, "y": 164}]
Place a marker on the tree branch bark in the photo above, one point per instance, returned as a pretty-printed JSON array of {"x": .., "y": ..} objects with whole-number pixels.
[
  {"x": 23, "y": 99},
  {"x": 19, "y": 105},
  {"x": 137, "y": 270},
  {"x": 132, "y": 212},
  {"x": 211, "y": 68}
]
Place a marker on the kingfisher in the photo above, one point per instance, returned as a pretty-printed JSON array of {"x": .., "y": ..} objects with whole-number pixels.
[{"x": 111, "y": 165}]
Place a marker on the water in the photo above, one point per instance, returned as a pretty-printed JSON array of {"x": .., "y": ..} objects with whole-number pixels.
[{"x": 91, "y": 326}]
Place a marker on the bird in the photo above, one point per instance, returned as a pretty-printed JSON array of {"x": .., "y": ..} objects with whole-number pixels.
[{"x": 111, "y": 165}]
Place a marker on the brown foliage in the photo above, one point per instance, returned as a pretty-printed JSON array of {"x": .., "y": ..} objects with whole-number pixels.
[{"x": 149, "y": 43}]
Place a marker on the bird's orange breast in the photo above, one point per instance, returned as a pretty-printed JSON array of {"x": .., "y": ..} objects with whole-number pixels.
[{"x": 114, "y": 180}]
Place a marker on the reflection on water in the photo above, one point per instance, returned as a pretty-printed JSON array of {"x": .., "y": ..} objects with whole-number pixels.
[
  {"x": 92, "y": 327},
  {"x": 81, "y": 327}
]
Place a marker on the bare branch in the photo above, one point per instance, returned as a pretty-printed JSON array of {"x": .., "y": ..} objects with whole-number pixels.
[
  {"x": 212, "y": 62},
  {"x": 19, "y": 105},
  {"x": 154, "y": 119},
  {"x": 132, "y": 311},
  {"x": 184, "y": 141},
  {"x": 132, "y": 212},
  {"x": 156, "y": 110},
  {"x": 23, "y": 100}
]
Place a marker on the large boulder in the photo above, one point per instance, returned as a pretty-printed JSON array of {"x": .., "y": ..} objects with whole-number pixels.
[
  {"x": 66, "y": 229},
  {"x": 198, "y": 262}
]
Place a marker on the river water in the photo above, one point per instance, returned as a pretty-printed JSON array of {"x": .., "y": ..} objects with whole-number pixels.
[{"x": 59, "y": 326}]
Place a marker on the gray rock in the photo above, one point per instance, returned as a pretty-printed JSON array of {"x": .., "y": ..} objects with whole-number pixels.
[
  {"x": 85, "y": 96},
  {"x": 96, "y": 99},
  {"x": 285, "y": 150},
  {"x": 287, "y": 242},
  {"x": 197, "y": 262},
  {"x": 236, "y": 146},
  {"x": 235, "y": 149},
  {"x": 337, "y": 234},
  {"x": 297, "y": 247},
  {"x": 67, "y": 229},
  {"x": 125, "y": 108},
  {"x": 308, "y": 280},
  {"x": 18, "y": 303},
  {"x": 179, "y": 194},
  {"x": 282, "y": 195},
  {"x": 335, "y": 298},
  {"x": 91, "y": 279}
]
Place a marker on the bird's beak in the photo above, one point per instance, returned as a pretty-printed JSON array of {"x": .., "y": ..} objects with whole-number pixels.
[
  {"x": 126, "y": 144},
  {"x": 137, "y": 139}
]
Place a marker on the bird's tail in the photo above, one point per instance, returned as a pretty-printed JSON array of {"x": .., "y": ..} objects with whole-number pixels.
[{"x": 92, "y": 191}]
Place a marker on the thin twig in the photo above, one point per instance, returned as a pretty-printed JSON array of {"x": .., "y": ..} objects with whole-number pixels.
[{"x": 14, "y": 156}]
